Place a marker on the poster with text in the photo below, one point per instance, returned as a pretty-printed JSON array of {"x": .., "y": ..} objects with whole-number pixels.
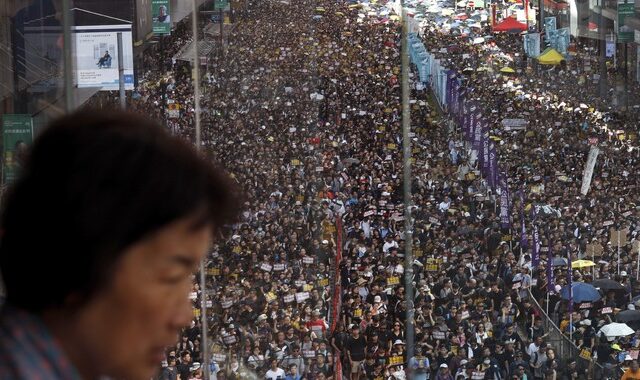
[
  {"x": 96, "y": 54},
  {"x": 161, "y": 16},
  {"x": 17, "y": 135}
]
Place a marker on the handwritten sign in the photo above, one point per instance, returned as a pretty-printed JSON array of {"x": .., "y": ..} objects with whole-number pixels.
[
  {"x": 585, "y": 354},
  {"x": 213, "y": 271},
  {"x": 395, "y": 360},
  {"x": 393, "y": 280},
  {"x": 302, "y": 296},
  {"x": 278, "y": 267},
  {"x": 229, "y": 338},
  {"x": 309, "y": 354},
  {"x": 477, "y": 375},
  {"x": 220, "y": 358},
  {"x": 307, "y": 260},
  {"x": 323, "y": 282},
  {"x": 289, "y": 298},
  {"x": 439, "y": 335},
  {"x": 266, "y": 267},
  {"x": 226, "y": 304}
]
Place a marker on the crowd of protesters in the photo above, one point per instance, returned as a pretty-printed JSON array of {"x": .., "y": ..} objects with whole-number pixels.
[{"x": 304, "y": 111}]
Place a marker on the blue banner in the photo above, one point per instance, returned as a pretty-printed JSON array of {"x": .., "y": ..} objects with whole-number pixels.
[
  {"x": 532, "y": 44},
  {"x": 549, "y": 26}
]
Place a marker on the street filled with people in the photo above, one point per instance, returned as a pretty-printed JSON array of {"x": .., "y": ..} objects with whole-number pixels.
[{"x": 304, "y": 111}]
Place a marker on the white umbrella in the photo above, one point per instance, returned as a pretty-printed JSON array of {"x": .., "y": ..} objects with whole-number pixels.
[{"x": 615, "y": 329}]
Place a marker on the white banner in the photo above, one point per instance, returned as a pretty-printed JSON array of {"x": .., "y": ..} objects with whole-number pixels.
[{"x": 588, "y": 169}]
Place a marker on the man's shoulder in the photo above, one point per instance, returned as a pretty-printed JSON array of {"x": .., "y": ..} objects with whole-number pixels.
[{"x": 28, "y": 350}]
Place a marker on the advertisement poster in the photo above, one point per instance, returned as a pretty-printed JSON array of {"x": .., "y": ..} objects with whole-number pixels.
[
  {"x": 96, "y": 52},
  {"x": 625, "y": 8},
  {"x": 161, "y": 16},
  {"x": 17, "y": 134}
]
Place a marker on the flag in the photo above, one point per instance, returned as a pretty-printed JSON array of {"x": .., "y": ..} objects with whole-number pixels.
[
  {"x": 524, "y": 243},
  {"x": 550, "y": 285},
  {"x": 505, "y": 221},
  {"x": 493, "y": 165},
  {"x": 569, "y": 281},
  {"x": 535, "y": 251}
]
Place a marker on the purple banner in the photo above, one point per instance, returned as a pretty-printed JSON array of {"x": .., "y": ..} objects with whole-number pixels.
[
  {"x": 477, "y": 132},
  {"x": 535, "y": 251},
  {"x": 451, "y": 77},
  {"x": 493, "y": 165},
  {"x": 485, "y": 152},
  {"x": 505, "y": 220},
  {"x": 524, "y": 242},
  {"x": 569, "y": 283},
  {"x": 550, "y": 280}
]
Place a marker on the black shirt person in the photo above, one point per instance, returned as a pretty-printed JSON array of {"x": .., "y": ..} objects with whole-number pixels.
[
  {"x": 104, "y": 59},
  {"x": 114, "y": 215}
]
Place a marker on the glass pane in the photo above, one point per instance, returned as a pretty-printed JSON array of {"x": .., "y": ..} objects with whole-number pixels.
[{"x": 32, "y": 60}]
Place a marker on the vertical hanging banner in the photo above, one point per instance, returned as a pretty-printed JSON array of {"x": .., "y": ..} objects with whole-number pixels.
[
  {"x": 161, "y": 16},
  {"x": 549, "y": 25},
  {"x": 17, "y": 135},
  {"x": 562, "y": 41},
  {"x": 535, "y": 251},
  {"x": 485, "y": 151},
  {"x": 625, "y": 10},
  {"x": 493, "y": 165},
  {"x": 524, "y": 243},
  {"x": 532, "y": 44},
  {"x": 588, "y": 169},
  {"x": 569, "y": 282},
  {"x": 550, "y": 281},
  {"x": 505, "y": 221}
]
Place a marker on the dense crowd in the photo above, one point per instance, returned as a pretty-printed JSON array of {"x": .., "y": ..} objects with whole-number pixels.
[{"x": 304, "y": 111}]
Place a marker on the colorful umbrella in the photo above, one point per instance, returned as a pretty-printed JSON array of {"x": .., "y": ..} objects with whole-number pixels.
[
  {"x": 582, "y": 292},
  {"x": 579, "y": 264}
]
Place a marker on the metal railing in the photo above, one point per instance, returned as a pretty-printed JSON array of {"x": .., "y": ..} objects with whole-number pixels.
[{"x": 566, "y": 349}]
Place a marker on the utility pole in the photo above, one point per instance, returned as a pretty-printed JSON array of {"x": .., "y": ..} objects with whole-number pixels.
[
  {"x": 406, "y": 159},
  {"x": 123, "y": 100},
  {"x": 541, "y": 2},
  {"x": 603, "y": 54}
]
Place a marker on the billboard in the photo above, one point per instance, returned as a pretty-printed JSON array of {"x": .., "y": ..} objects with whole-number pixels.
[
  {"x": 161, "y": 16},
  {"x": 96, "y": 54},
  {"x": 17, "y": 135},
  {"x": 625, "y": 8}
]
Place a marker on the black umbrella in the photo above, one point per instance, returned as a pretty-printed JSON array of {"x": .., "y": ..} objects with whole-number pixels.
[
  {"x": 607, "y": 285},
  {"x": 630, "y": 317}
]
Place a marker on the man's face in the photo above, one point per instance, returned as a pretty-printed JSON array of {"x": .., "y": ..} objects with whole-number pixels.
[{"x": 125, "y": 328}]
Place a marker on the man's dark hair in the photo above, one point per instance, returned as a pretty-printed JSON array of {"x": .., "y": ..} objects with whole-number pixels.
[{"x": 94, "y": 184}]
